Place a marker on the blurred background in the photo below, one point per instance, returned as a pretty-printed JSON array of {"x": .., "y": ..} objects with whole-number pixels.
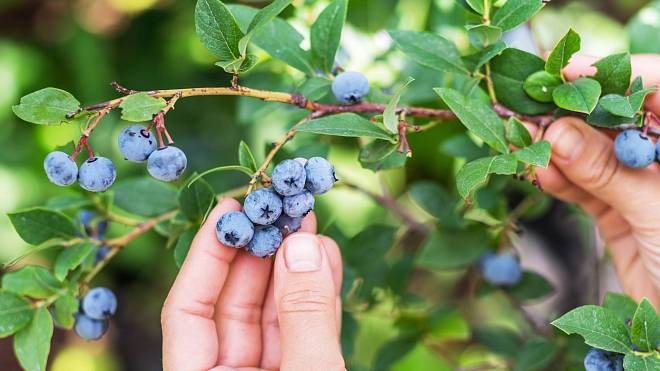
[{"x": 83, "y": 45}]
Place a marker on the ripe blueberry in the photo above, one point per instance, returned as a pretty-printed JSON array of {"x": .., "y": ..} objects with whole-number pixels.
[
  {"x": 320, "y": 175},
  {"x": 350, "y": 87},
  {"x": 136, "y": 143},
  {"x": 265, "y": 242},
  {"x": 301, "y": 160},
  {"x": 263, "y": 206},
  {"x": 298, "y": 205},
  {"x": 99, "y": 303},
  {"x": 85, "y": 217},
  {"x": 97, "y": 174},
  {"x": 657, "y": 150},
  {"x": 90, "y": 328},
  {"x": 289, "y": 178},
  {"x": 167, "y": 164},
  {"x": 500, "y": 269},
  {"x": 234, "y": 229},
  {"x": 601, "y": 360},
  {"x": 101, "y": 253},
  {"x": 60, "y": 169},
  {"x": 634, "y": 149},
  {"x": 287, "y": 224}
]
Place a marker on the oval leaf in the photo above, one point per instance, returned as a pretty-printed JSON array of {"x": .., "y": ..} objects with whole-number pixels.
[
  {"x": 344, "y": 125},
  {"x": 580, "y": 95},
  {"x": 32, "y": 343},
  {"x": 430, "y": 50},
  {"x": 598, "y": 326},
  {"x": 140, "y": 107},
  {"x": 326, "y": 34},
  {"x": 15, "y": 313},
  {"x": 38, "y": 225},
  {"x": 47, "y": 106}
]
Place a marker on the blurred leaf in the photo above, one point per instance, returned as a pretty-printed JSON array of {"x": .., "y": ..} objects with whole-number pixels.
[
  {"x": 476, "y": 5},
  {"x": 315, "y": 88},
  {"x": 344, "y": 125},
  {"x": 645, "y": 327},
  {"x": 217, "y": 29},
  {"x": 145, "y": 196},
  {"x": 67, "y": 202},
  {"x": 33, "y": 281},
  {"x": 461, "y": 145},
  {"x": 32, "y": 343},
  {"x": 430, "y": 50},
  {"x": 601, "y": 118},
  {"x": 499, "y": 340},
  {"x": 448, "y": 324},
  {"x": 326, "y": 34},
  {"x": 580, "y": 95},
  {"x": 644, "y": 29},
  {"x": 349, "y": 331},
  {"x": 47, "y": 106},
  {"x": 517, "y": 134},
  {"x": 71, "y": 257},
  {"x": 140, "y": 107},
  {"x": 196, "y": 199},
  {"x": 621, "y": 305},
  {"x": 241, "y": 169},
  {"x": 598, "y": 326},
  {"x": 562, "y": 53},
  {"x": 453, "y": 249},
  {"x": 420, "y": 358},
  {"x": 540, "y": 85},
  {"x": 15, "y": 313},
  {"x": 435, "y": 200},
  {"x": 536, "y": 354},
  {"x": 532, "y": 286},
  {"x": 516, "y": 12},
  {"x": 38, "y": 225},
  {"x": 476, "y": 173},
  {"x": 614, "y": 73},
  {"x": 636, "y": 85},
  {"x": 477, "y": 60},
  {"x": 537, "y": 154},
  {"x": 63, "y": 310},
  {"x": 392, "y": 351},
  {"x": 263, "y": 17},
  {"x": 482, "y": 216},
  {"x": 390, "y": 118},
  {"x": 641, "y": 363},
  {"x": 245, "y": 157},
  {"x": 366, "y": 254},
  {"x": 376, "y": 151},
  {"x": 182, "y": 246},
  {"x": 392, "y": 160},
  {"x": 483, "y": 35}
]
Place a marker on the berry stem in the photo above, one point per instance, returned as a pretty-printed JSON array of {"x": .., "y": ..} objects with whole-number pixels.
[{"x": 89, "y": 151}]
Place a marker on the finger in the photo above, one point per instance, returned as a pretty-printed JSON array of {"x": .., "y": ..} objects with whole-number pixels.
[
  {"x": 238, "y": 312},
  {"x": 334, "y": 258},
  {"x": 309, "y": 223},
  {"x": 190, "y": 340},
  {"x": 555, "y": 183},
  {"x": 305, "y": 299}
]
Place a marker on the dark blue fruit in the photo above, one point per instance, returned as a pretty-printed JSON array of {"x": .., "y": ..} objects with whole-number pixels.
[
  {"x": 167, "y": 164},
  {"x": 320, "y": 175},
  {"x": 298, "y": 205},
  {"x": 287, "y": 224},
  {"x": 265, "y": 242},
  {"x": 97, "y": 174},
  {"x": 90, "y": 328},
  {"x": 234, "y": 229},
  {"x": 500, "y": 269},
  {"x": 136, "y": 143},
  {"x": 634, "y": 149},
  {"x": 601, "y": 360},
  {"x": 99, "y": 303},
  {"x": 263, "y": 206},
  {"x": 60, "y": 169},
  {"x": 350, "y": 87},
  {"x": 289, "y": 177}
]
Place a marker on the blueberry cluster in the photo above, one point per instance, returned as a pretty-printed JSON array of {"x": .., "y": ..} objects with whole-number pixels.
[
  {"x": 270, "y": 214},
  {"x": 96, "y": 308},
  {"x": 602, "y": 360},
  {"x": 95, "y": 175},
  {"x": 500, "y": 269},
  {"x": 635, "y": 150},
  {"x": 95, "y": 229},
  {"x": 350, "y": 87}
]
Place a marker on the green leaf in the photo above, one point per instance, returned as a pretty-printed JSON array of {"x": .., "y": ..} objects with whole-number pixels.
[
  {"x": 394, "y": 350},
  {"x": 32, "y": 280},
  {"x": 532, "y": 286},
  {"x": 15, "y": 313},
  {"x": 621, "y": 305},
  {"x": 515, "y": 13},
  {"x": 601, "y": 118},
  {"x": 141, "y": 107},
  {"x": 196, "y": 200},
  {"x": 430, "y": 50},
  {"x": 315, "y": 88},
  {"x": 536, "y": 354},
  {"x": 32, "y": 343},
  {"x": 345, "y": 125},
  {"x": 540, "y": 85},
  {"x": 445, "y": 250},
  {"x": 475, "y": 174},
  {"x": 517, "y": 134},
  {"x": 63, "y": 310},
  {"x": 635, "y": 362},
  {"x": 500, "y": 340},
  {"x": 645, "y": 327},
  {"x": 38, "y": 225},
  {"x": 245, "y": 157},
  {"x": 435, "y": 200},
  {"x": 614, "y": 73},
  {"x": 580, "y": 95},
  {"x": 625, "y": 106},
  {"x": 263, "y": 16},
  {"x": 365, "y": 253},
  {"x": 390, "y": 118},
  {"x": 475, "y": 61},
  {"x": 509, "y": 72},
  {"x": 637, "y": 85},
  {"x": 68, "y": 202},
  {"x": 47, "y": 106},
  {"x": 217, "y": 29},
  {"x": 477, "y": 116},
  {"x": 70, "y": 258},
  {"x": 145, "y": 196},
  {"x": 241, "y": 64},
  {"x": 182, "y": 246},
  {"x": 326, "y": 34},
  {"x": 394, "y": 159},
  {"x": 477, "y": 5},
  {"x": 562, "y": 53},
  {"x": 645, "y": 29},
  {"x": 537, "y": 154},
  {"x": 242, "y": 169},
  {"x": 483, "y": 35},
  {"x": 598, "y": 326},
  {"x": 376, "y": 151}
]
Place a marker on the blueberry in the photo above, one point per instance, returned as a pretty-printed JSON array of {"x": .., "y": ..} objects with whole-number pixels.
[
  {"x": 298, "y": 205},
  {"x": 136, "y": 143},
  {"x": 601, "y": 360},
  {"x": 265, "y": 242},
  {"x": 350, "y": 87},
  {"x": 101, "y": 228},
  {"x": 263, "y": 206},
  {"x": 634, "y": 149},
  {"x": 101, "y": 253},
  {"x": 90, "y": 328},
  {"x": 289, "y": 178},
  {"x": 320, "y": 175},
  {"x": 85, "y": 217},
  {"x": 234, "y": 229},
  {"x": 60, "y": 169},
  {"x": 500, "y": 270},
  {"x": 287, "y": 224},
  {"x": 167, "y": 164},
  {"x": 301, "y": 160},
  {"x": 99, "y": 303},
  {"x": 657, "y": 150},
  {"x": 97, "y": 174}
]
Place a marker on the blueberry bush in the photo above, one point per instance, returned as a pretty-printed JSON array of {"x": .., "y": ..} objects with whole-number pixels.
[{"x": 449, "y": 238}]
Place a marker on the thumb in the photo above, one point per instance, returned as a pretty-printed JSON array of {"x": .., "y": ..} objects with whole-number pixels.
[{"x": 306, "y": 303}]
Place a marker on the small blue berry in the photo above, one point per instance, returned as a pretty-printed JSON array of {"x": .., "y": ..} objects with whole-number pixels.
[
  {"x": 657, "y": 150},
  {"x": 90, "y": 328},
  {"x": 298, "y": 205},
  {"x": 136, "y": 143},
  {"x": 288, "y": 178},
  {"x": 234, "y": 229},
  {"x": 101, "y": 253},
  {"x": 60, "y": 169},
  {"x": 601, "y": 360},
  {"x": 634, "y": 149},
  {"x": 301, "y": 160},
  {"x": 99, "y": 303},
  {"x": 97, "y": 174},
  {"x": 287, "y": 224},
  {"x": 263, "y": 206},
  {"x": 350, "y": 87},
  {"x": 101, "y": 228},
  {"x": 501, "y": 270},
  {"x": 86, "y": 217},
  {"x": 265, "y": 242},
  {"x": 320, "y": 175},
  {"x": 167, "y": 164}
]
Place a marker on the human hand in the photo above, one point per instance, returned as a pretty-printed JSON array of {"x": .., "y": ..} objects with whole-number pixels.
[
  {"x": 624, "y": 202},
  {"x": 228, "y": 310}
]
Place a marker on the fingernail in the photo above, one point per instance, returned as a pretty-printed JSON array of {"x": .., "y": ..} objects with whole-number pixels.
[
  {"x": 302, "y": 253},
  {"x": 566, "y": 142}
]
